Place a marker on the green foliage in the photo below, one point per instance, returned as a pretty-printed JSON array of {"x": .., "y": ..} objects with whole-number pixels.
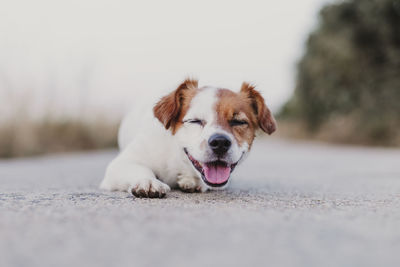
[{"x": 351, "y": 70}]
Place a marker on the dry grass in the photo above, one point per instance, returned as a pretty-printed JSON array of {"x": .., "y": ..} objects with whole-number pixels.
[
  {"x": 23, "y": 137},
  {"x": 339, "y": 131}
]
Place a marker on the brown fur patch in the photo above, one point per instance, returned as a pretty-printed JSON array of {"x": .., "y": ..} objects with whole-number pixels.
[
  {"x": 264, "y": 116},
  {"x": 171, "y": 109},
  {"x": 248, "y": 105}
]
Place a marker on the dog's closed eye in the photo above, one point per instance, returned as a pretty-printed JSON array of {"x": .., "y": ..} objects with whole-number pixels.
[
  {"x": 195, "y": 121},
  {"x": 236, "y": 122}
]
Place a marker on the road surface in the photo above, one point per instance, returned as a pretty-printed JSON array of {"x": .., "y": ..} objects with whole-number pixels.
[{"x": 289, "y": 204}]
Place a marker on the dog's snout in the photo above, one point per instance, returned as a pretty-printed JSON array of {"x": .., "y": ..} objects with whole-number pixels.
[{"x": 219, "y": 144}]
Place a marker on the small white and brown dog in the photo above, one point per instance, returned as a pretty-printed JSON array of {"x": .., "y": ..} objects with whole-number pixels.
[{"x": 193, "y": 140}]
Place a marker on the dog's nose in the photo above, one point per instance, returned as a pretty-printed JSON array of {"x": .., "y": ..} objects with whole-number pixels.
[{"x": 219, "y": 144}]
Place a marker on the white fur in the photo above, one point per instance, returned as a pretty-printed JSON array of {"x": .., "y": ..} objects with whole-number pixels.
[{"x": 152, "y": 159}]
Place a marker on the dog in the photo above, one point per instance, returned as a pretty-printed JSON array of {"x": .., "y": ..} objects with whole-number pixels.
[{"x": 192, "y": 140}]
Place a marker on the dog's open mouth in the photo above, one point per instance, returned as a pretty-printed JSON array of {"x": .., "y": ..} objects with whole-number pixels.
[{"x": 214, "y": 173}]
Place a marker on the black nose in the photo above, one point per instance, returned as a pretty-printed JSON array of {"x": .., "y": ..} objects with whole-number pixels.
[{"x": 219, "y": 144}]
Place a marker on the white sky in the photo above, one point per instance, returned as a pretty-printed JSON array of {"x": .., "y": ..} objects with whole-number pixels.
[{"x": 101, "y": 56}]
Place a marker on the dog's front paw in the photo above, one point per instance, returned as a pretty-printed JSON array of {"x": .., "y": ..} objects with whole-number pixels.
[
  {"x": 190, "y": 184},
  {"x": 151, "y": 188}
]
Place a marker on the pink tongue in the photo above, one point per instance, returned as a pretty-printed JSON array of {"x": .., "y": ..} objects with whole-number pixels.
[{"x": 216, "y": 174}]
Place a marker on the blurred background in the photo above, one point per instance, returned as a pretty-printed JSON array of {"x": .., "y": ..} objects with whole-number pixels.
[{"x": 69, "y": 70}]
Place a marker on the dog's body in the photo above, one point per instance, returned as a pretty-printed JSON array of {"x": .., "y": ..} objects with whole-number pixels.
[{"x": 193, "y": 140}]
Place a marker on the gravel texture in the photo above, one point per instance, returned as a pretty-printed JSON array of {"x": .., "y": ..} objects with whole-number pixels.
[{"x": 289, "y": 204}]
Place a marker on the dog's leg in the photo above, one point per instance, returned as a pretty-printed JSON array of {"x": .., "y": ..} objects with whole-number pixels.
[
  {"x": 190, "y": 184},
  {"x": 124, "y": 175}
]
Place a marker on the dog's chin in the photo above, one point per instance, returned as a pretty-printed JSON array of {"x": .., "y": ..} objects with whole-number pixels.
[{"x": 215, "y": 174}]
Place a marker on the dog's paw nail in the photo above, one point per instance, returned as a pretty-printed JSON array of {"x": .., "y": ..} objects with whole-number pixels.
[
  {"x": 198, "y": 189},
  {"x": 156, "y": 194},
  {"x": 139, "y": 193}
]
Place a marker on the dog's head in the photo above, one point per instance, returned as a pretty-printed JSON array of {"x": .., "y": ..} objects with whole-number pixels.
[{"x": 215, "y": 127}]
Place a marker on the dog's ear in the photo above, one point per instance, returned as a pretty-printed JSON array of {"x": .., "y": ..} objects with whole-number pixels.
[
  {"x": 264, "y": 116},
  {"x": 168, "y": 109}
]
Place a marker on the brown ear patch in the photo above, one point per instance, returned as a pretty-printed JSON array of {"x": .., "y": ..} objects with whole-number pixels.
[
  {"x": 265, "y": 119},
  {"x": 172, "y": 107}
]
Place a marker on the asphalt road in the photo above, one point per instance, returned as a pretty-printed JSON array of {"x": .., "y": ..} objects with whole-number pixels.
[{"x": 289, "y": 204}]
